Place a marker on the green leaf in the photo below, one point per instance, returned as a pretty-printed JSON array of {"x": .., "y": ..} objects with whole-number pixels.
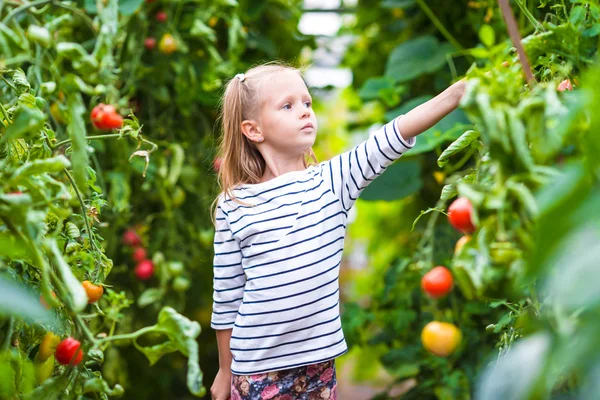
[
  {"x": 149, "y": 296},
  {"x": 20, "y": 81},
  {"x": 27, "y": 121},
  {"x": 51, "y": 389},
  {"x": 592, "y": 31},
  {"x": 577, "y": 15},
  {"x": 99, "y": 385},
  {"x": 77, "y": 132},
  {"x": 120, "y": 191},
  {"x": 182, "y": 334},
  {"x": 416, "y": 57},
  {"x": 398, "y": 3},
  {"x": 177, "y": 160},
  {"x": 129, "y": 7},
  {"x": 155, "y": 352},
  {"x": 13, "y": 247},
  {"x": 17, "y": 300},
  {"x": 487, "y": 35},
  {"x": 372, "y": 88},
  {"x": 459, "y": 144},
  {"x": 201, "y": 30},
  {"x": 401, "y": 179},
  {"x": 36, "y": 167},
  {"x": 76, "y": 291},
  {"x": 521, "y": 366}
]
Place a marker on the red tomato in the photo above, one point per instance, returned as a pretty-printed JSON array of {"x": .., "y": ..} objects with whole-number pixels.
[
  {"x": 161, "y": 16},
  {"x": 106, "y": 117},
  {"x": 144, "y": 270},
  {"x": 437, "y": 282},
  {"x": 139, "y": 254},
  {"x": 459, "y": 215},
  {"x": 130, "y": 238},
  {"x": 564, "y": 85},
  {"x": 113, "y": 121},
  {"x": 150, "y": 43},
  {"x": 69, "y": 352}
]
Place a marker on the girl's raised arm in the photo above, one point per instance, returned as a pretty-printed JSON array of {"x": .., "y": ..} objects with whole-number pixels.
[{"x": 424, "y": 116}]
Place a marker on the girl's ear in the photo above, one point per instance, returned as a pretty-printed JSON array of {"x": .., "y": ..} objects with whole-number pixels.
[{"x": 251, "y": 130}]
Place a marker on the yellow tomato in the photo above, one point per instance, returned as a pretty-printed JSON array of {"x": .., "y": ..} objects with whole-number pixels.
[
  {"x": 439, "y": 177},
  {"x": 48, "y": 345},
  {"x": 167, "y": 44},
  {"x": 441, "y": 338},
  {"x": 398, "y": 13}
]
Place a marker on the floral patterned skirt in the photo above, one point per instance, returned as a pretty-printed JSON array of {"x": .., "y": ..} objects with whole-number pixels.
[{"x": 310, "y": 382}]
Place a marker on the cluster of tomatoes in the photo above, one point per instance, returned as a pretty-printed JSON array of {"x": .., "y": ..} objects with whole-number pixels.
[
  {"x": 443, "y": 338},
  {"x": 66, "y": 351},
  {"x": 144, "y": 268},
  {"x": 167, "y": 43}
]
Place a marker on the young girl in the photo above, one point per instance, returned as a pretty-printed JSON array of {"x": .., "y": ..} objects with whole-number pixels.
[{"x": 280, "y": 227}]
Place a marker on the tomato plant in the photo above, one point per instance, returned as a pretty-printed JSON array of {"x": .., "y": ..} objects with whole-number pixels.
[{"x": 504, "y": 156}]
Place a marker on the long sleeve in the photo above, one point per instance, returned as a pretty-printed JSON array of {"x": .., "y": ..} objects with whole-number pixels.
[
  {"x": 351, "y": 172},
  {"x": 229, "y": 278}
]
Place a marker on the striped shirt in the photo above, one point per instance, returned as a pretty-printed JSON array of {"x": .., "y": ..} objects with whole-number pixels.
[{"x": 277, "y": 259}]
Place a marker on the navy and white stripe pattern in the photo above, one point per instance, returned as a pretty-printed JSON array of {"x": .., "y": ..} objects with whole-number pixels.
[{"x": 277, "y": 258}]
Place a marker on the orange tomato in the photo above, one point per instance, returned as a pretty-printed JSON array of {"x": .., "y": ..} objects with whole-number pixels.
[{"x": 94, "y": 292}]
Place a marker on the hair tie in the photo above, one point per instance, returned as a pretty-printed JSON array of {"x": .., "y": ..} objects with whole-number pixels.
[{"x": 241, "y": 77}]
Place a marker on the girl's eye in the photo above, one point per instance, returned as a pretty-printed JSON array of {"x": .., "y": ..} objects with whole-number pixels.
[
  {"x": 308, "y": 103},
  {"x": 287, "y": 106}
]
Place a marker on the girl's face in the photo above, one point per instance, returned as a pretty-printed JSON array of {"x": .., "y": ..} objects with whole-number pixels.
[{"x": 286, "y": 119}]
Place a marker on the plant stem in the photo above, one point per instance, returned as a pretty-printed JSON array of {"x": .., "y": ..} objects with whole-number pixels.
[
  {"x": 5, "y": 113},
  {"x": 129, "y": 336},
  {"x": 515, "y": 35},
  {"x": 9, "y": 333},
  {"x": 83, "y": 211},
  {"x": 22, "y": 8},
  {"x": 438, "y": 24},
  {"x": 81, "y": 14},
  {"x": 536, "y": 24},
  {"x": 111, "y": 135},
  {"x": 10, "y": 85},
  {"x": 84, "y": 328}
]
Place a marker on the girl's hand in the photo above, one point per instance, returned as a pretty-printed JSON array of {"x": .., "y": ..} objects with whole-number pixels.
[{"x": 221, "y": 387}]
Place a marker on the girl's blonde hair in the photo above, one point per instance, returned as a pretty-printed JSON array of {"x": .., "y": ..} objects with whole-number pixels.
[{"x": 241, "y": 162}]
